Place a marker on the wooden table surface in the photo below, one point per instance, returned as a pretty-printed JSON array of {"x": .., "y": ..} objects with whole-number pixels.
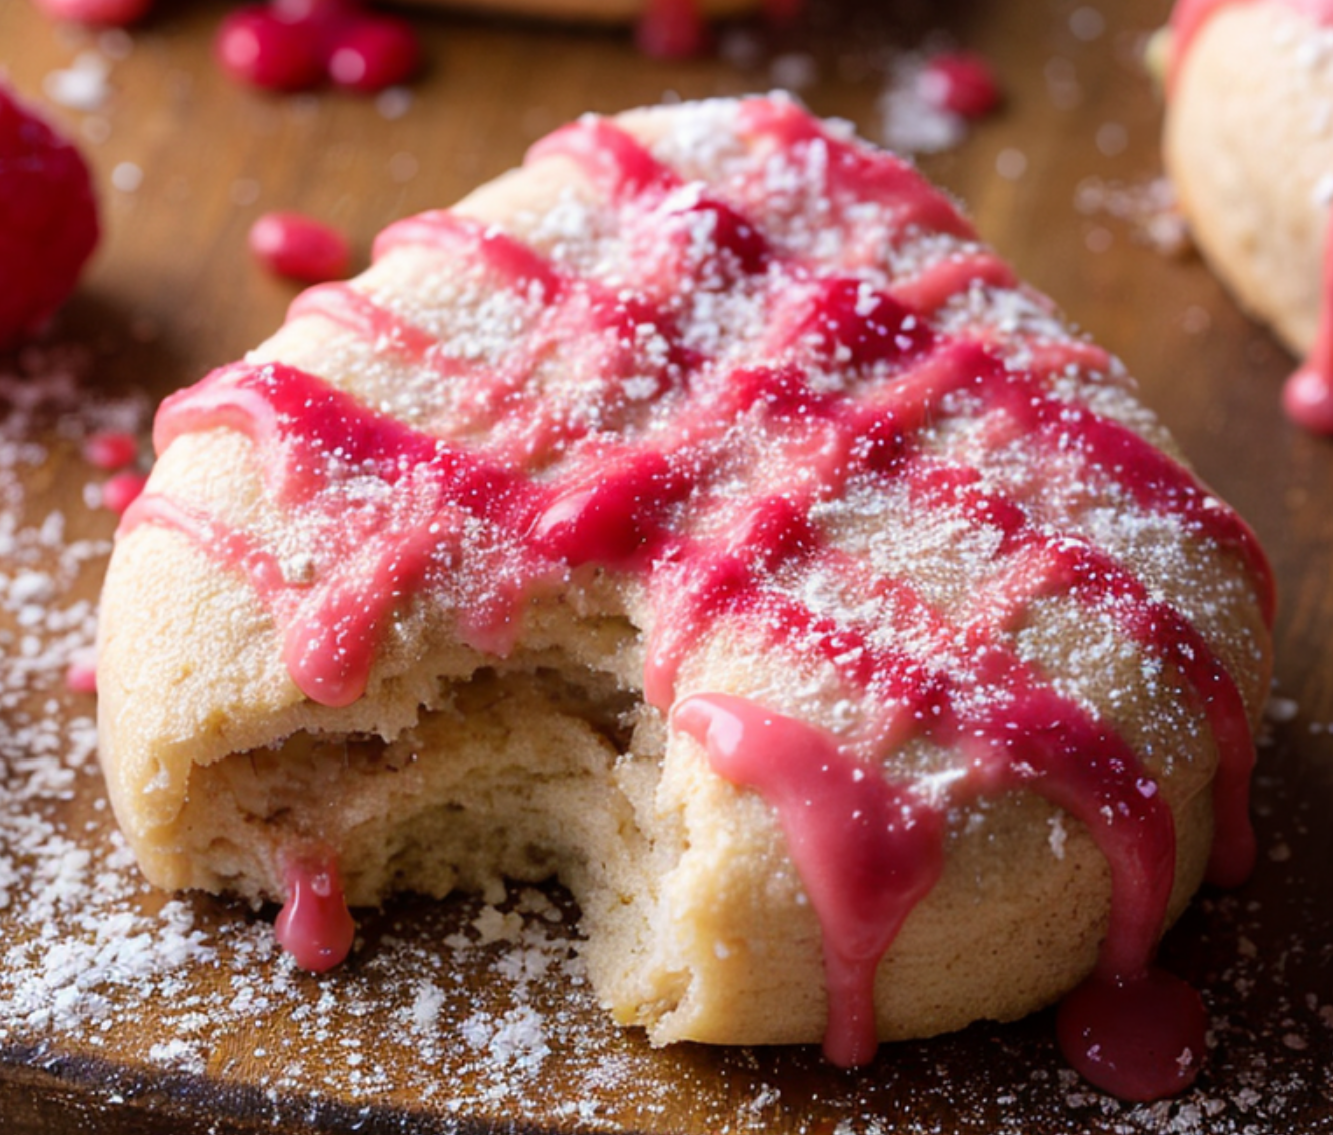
[{"x": 121, "y": 1011}]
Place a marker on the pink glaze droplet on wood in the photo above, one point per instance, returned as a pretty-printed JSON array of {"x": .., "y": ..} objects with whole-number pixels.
[
  {"x": 314, "y": 925},
  {"x": 1141, "y": 1038}
]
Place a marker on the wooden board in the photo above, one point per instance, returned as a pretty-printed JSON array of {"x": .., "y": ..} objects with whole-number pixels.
[{"x": 122, "y": 1010}]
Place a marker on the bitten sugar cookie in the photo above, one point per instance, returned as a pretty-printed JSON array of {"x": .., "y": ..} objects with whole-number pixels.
[
  {"x": 702, "y": 515},
  {"x": 1249, "y": 147}
]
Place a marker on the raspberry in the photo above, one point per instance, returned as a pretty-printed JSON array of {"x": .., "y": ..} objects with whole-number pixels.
[
  {"x": 111, "y": 450},
  {"x": 257, "y": 47},
  {"x": 48, "y": 219},
  {"x": 961, "y": 82},
  {"x": 372, "y": 53},
  {"x": 300, "y": 247},
  {"x": 290, "y": 45},
  {"x": 121, "y": 491}
]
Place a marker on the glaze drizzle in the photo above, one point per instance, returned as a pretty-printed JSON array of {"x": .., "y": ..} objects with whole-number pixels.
[{"x": 835, "y": 391}]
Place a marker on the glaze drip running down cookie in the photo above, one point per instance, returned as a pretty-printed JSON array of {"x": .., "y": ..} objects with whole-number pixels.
[{"x": 703, "y": 515}]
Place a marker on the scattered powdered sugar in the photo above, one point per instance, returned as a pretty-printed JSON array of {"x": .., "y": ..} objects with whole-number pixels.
[
  {"x": 469, "y": 1013},
  {"x": 1149, "y": 208}
]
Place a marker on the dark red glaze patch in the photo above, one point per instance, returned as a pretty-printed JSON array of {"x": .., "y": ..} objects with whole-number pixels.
[{"x": 701, "y": 473}]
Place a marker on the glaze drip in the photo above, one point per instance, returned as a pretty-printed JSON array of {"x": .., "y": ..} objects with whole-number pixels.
[{"x": 314, "y": 925}]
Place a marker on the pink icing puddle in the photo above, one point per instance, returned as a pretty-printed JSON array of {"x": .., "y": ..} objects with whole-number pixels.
[
  {"x": 484, "y": 525},
  {"x": 1140, "y": 1038},
  {"x": 314, "y": 925}
]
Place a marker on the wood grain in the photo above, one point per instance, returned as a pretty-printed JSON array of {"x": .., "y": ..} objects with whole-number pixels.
[{"x": 234, "y": 1041}]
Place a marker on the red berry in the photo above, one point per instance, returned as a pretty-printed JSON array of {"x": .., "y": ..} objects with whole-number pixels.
[
  {"x": 368, "y": 54},
  {"x": 122, "y": 490},
  {"x": 48, "y": 220},
  {"x": 300, "y": 247},
  {"x": 113, "y": 13},
  {"x": 960, "y": 82},
  {"x": 257, "y": 47}
]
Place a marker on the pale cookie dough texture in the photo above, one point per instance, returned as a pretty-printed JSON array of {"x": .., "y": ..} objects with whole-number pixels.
[
  {"x": 1249, "y": 148},
  {"x": 934, "y": 553}
]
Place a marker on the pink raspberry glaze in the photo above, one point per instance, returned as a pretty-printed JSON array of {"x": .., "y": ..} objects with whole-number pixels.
[
  {"x": 867, "y": 850},
  {"x": 1141, "y": 1038},
  {"x": 1307, "y": 395},
  {"x": 842, "y": 376}
]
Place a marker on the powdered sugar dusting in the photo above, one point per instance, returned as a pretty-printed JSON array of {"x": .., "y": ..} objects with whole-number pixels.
[{"x": 474, "y": 1011}]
